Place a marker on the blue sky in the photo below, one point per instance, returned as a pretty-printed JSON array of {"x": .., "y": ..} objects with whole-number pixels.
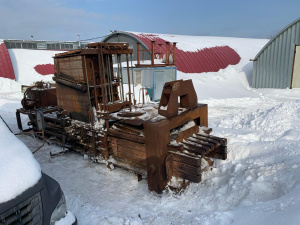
[{"x": 65, "y": 19}]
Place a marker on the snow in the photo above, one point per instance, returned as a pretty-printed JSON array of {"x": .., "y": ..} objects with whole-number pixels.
[
  {"x": 24, "y": 61},
  {"x": 259, "y": 183},
  {"x": 18, "y": 168},
  {"x": 67, "y": 220}
]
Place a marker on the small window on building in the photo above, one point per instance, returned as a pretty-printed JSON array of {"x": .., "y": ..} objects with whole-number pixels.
[{"x": 137, "y": 77}]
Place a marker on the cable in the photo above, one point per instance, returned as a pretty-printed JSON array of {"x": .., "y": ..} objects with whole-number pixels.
[{"x": 94, "y": 38}]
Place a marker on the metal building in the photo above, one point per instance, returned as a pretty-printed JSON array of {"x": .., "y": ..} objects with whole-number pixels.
[
  {"x": 277, "y": 65},
  {"x": 191, "y": 54}
]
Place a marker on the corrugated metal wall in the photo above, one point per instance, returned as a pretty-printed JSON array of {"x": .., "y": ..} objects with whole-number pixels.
[
  {"x": 6, "y": 68},
  {"x": 131, "y": 40},
  {"x": 273, "y": 65},
  {"x": 201, "y": 60}
]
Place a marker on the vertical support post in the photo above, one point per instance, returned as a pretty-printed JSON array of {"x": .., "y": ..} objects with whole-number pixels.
[
  {"x": 128, "y": 76},
  {"x": 138, "y": 53},
  {"x": 167, "y": 52},
  {"x": 111, "y": 70},
  {"x": 95, "y": 87},
  {"x": 152, "y": 52},
  {"x": 19, "y": 120},
  {"x": 157, "y": 136},
  {"x": 87, "y": 84},
  {"x": 101, "y": 82},
  {"x": 174, "y": 50},
  {"x": 104, "y": 80},
  {"x": 159, "y": 46}
]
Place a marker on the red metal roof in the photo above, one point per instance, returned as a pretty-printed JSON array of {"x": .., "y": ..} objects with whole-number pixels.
[
  {"x": 44, "y": 69},
  {"x": 199, "y": 61},
  {"x": 6, "y": 68}
]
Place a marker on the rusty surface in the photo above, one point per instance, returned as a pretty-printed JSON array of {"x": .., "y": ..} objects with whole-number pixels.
[
  {"x": 40, "y": 95},
  {"x": 157, "y": 141},
  {"x": 157, "y": 137},
  {"x": 173, "y": 90},
  {"x": 155, "y": 54}
]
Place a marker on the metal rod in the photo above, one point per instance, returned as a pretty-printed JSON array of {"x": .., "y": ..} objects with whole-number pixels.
[
  {"x": 123, "y": 97},
  {"x": 87, "y": 81},
  {"x": 138, "y": 53},
  {"x": 111, "y": 75},
  {"x": 174, "y": 50},
  {"x": 119, "y": 78},
  {"x": 159, "y": 45},
  {"x": 128, "y": 82},
  {"x": 43, "y": 142},
  {"x": 167, "y": 52},
  {"x": 108, "y": 80},
  {"x": 101, "y": 82},
  {"x": 95, "y": 87},
  {"x": 132, "y": 79},
  {"x": 104, "y": 80},
  {"x": 152, "y": 52}
]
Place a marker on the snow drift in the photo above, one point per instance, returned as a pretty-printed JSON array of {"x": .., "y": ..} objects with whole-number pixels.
[{"x": 18, "y": 168}]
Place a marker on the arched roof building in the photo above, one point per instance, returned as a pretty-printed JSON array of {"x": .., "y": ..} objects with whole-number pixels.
[
  {"x": 192, "y": 55},
  {"x": 277, "y": 65},
  {"x": 6, "y": 68}
]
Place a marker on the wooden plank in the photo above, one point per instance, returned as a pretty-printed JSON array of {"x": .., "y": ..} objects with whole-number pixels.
[
  {"x": 126, "y": 136},
  {"x": 219, "y": 153},
  {"x": 223, "y": 141},
  {"x": 157, "y": 136},
  {"x": 132, "y": 151},
  {"x": 187, "y": 133},
  {"x": 214, "y": 141},
  {"x": 188, "y": 176},
  {"x": 205, "y": 143},
  {"x": 178, "y": 147},
  {"x": 131, "y": 144},
  {"x": 131, "y": 158},
  {"x": 186, "y": 168},
  {"x": 187, "y": 159},
  {"x": 197, "y": 147},
  {"x": 184, "y": 117}
]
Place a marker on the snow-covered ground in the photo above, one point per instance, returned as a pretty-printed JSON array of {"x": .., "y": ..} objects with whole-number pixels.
[{"x": 259, "y": 183}]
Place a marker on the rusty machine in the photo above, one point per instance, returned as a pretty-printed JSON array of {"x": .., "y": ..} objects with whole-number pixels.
[{"x": 89, "y": 111}]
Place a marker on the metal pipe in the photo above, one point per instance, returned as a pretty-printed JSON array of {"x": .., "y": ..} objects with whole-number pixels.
[
  {"x": 111, "y": 74},
  {"x": 138, "y": 53},
  {"x": 95, "y": 87},
  {"x": 101, "y": 82},
  {"x": 119, "y": 79},
  {"x": 167, "y": 52},
  {"x": 79, "y": 87},
  {"x": 121, "y": 73},
  {"x": 174, "y": 50},
  {"x": 152, "y": 52},
  {"x": 108, "y": 79},
  {"x": 104, "y": 80},
  {"x": 159, "y": 46},
  {"x": 87, "y": 83},
  {"x": 128, "y": 82},
  {"x": 132, "y": 79}
]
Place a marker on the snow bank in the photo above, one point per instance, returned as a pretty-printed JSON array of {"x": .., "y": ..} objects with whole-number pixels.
[
  {"x": 9, "y": 88},
  {"x": 18, "y": 168},
  {"x": 67, "y": 220},
  {"x": 232, "y": 82},
  {"x": 24, "y": 61}
]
